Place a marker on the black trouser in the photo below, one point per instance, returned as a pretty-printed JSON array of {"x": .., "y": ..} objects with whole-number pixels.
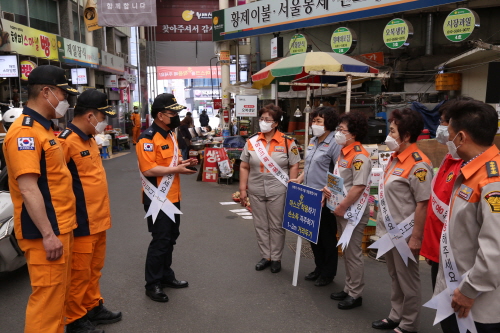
[
  {"x": 159, "y": 258},
  {"x": 434, "y": 273},
  {"x": 326, "y": 254},
  {"x": 449, "y": 325}
]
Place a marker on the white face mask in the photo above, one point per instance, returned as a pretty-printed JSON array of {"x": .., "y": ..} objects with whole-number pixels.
[
  {"x": 340, "y": 138},
  {"x": 61, "y": 108},
  {"x": 442, "y": 134},
  {"x": 391, "y": 143},
  {"x": 101, "y": 125},
  {"x": 265, "y": 127},
  {"x": 452, "y": 148},
  {"x": 318, "y": 130}
]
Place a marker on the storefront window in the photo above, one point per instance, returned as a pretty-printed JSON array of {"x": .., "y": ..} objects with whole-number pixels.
[
  {"x": 43, "y": 15},
  {"x": 18, "y": 8},
  {"x": 78, "y": 30}
]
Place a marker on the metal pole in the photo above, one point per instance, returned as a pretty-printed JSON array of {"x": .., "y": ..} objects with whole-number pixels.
[
  {"x": 306, "y": 132},
  {"x": 138, "y": 69},
  {"x": 79, "y": 27},
  {"x": 276, "y": 90},
  {"x": 348, "y": 94}
]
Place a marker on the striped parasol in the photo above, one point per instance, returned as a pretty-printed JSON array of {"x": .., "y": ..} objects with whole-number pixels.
[{"x": 299, "y": 65}]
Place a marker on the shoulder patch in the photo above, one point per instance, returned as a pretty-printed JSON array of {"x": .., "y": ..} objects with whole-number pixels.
[
  {"x": 416, "y": 156},
  {"x": 26, "y": 143},
  {"x": 295, "y": 151},
  {"x": 465, "y": 192},
  {"x": 492, "y": 169},
  {"x": 65, "y": 133},
  {"x": 251, "y": 136},
  {"x": 357, "y": 148},
  {"x": 287, "y": 137},
  {"x": 149, "y": 133},
  {"x": 493, "y": 199},
  {"x": 358, "y": 163},
  {"x": 28, "y": 121},
  {"x": 421, "y": 174},
  {"x": 148, "y": 146}
]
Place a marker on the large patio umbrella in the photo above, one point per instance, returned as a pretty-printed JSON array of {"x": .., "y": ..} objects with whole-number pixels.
[{"x": 300, "y": 65}]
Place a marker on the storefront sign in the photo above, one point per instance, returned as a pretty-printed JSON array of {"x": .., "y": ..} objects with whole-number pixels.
[
  {"x": 27, "y": 41},
  {"x": 460, "y": 24},
  {"x": 224, "y": 57},
  {"x": 268, "y": 16},
  {"x": 90, "y": 15},
  {"x": 26, "y": 67},
  {"x": 246, "y": 106},
  {"x": 72, "y": 52},
  {"x": 127, "y": 13},
  {"x": 397, "y": 33},
  {"x": 187, "y": 72},
  {"x": 276, "y": 47},
  {"x": 302, "y": 211},
  {"x": 8, "y": 66},
  {"x": 343, "y": 40},
  {"x": 111, "y": 63},
  {"x": 110, "y": 81},
  {"x": 210, "y": 171},
  {"x": 78, "y": 76},
  {"x": 298, "y": 44},
  {"x": 377, "y": 57}
]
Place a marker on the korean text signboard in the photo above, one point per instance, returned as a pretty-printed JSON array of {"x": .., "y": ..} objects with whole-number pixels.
[
  {"x": 343, "y": 40},
  {"x": 460, "y": 24},
  {"x": 246, "y": 106},
  {"x": 126, "y": 13},
  {"x": 302, "y": 211},
  {"x": 298, "y": 44},
  {"x": 111, "y": 63},
  {"x": 268, "y": 16},
  {"x": 187, "y": 72},
  {"x": 8, "y": 66},
  {"x": 397, "y": 33},
  {"x": 26, "y": 67},
  {"x": 27, "y": 41},
  {"x": 210, "y": 171},
  {"x": 72, "y": 52}
]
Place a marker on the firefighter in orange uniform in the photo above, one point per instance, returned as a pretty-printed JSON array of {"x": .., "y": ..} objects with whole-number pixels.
[
  {"x": 85, "y": 304},
  {"x": 136, "y": 125},
  {"x": 44, "y": 204}
]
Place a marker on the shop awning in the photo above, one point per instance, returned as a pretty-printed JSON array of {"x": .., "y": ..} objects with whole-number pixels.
[{"x": 476, "y": 56}]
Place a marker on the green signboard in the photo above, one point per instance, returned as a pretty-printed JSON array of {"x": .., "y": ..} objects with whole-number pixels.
[
  {"x": 343, "y": 40},
  {"x": 460, "y": 24},
  {"x": 298, "y": 44},
  {"x": 397, "y": 33}
]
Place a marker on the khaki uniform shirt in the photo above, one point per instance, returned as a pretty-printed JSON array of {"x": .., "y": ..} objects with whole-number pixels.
[
  {"x": 475, "y": 235},
  {"x": 407, "y": 180},
  {"x": 261, "y": 182},
  {"x": 355, "y": 166}
]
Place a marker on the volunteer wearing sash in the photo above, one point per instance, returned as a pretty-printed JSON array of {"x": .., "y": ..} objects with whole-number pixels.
[
  {"x": 403, "y": 193},
  {"x": 159, "y": 159},
  {"x": 320, "y": 158},
  {"x": 355, "y": 167},
  {"x": 267, "y": 161},
  {"x": 441, "y": 192},
  {"x": 469, "y": 266}
]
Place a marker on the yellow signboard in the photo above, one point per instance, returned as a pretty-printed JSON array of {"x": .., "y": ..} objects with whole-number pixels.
[
  {"x": 26, "y": 67},
  {"x": 90, "y": 15},
  {"x": 27, "y": 41}
]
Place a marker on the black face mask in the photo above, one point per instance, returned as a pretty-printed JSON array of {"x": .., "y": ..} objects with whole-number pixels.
[{"x": 174, "y": 122}]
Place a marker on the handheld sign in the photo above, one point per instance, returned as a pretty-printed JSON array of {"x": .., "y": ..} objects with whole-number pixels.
[
  {"x": 302, "y": 211},
  {"x": 336, "y": 185}
]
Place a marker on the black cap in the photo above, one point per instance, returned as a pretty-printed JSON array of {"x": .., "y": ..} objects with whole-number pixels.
[
  {"x": 51, "y": 75},
  {"x": 94, "y": 99},
  {"x": 167, "y": 102}
]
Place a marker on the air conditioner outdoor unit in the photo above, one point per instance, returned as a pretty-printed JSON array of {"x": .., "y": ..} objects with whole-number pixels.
[{"x": 8, "y": 16}]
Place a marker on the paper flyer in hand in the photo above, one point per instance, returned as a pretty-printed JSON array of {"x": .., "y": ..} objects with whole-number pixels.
[{"x": 336, "y": 185}]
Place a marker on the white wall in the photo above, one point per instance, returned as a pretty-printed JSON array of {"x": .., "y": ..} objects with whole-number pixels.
[{"x": 474, "y": 82}]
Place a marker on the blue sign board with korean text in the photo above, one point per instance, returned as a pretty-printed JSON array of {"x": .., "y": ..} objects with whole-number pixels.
[{"x": 302, "y": 211}]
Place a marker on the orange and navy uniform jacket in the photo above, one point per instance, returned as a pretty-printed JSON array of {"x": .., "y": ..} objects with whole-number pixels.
[
  {"x": 89, "y": 181},
  {"x": 443, "y": 186},
  {"x": 136, "y": 119},
  {"x": 30, "y": 147},
  {"x": 156, "y": 148}
]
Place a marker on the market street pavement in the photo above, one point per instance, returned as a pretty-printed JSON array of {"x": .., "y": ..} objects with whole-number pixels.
[{"x": 216, "y": 252}]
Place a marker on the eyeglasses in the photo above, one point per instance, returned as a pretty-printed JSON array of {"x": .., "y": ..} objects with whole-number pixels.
[
  {"x": 339, "y": 129},
  {"x": 267, "y": 120}
]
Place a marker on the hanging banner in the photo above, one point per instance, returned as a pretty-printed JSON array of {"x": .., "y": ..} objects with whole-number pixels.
[
  {"x": 187, "y": 72},
  {"x": 27, "y": 41},
  {"x": 90, "y": 15},
  {"x": 210, "y": 171},
  {"x": 8, "y": 66},
  {"x": 26, "y": 67},
  {"x": 246, "y": 106},
  {"x": 343, "y": 40},
  {"x": 72, "y": 52},
  {"x": 460, "y": 24},
  {"x": 298, "y": 44},
  {"x": 397, "y": 33},
  {"x": 127, "y": 13}
]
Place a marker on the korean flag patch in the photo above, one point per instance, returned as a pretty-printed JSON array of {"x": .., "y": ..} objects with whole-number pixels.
[
  {"x": 148, "y": 147},
  {"x": 25, "y": 144}
]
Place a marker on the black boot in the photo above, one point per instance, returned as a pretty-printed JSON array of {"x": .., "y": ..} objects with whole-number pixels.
[
  {"x": 101, "y": 315},
  {"x": 82, "y": 325}
]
